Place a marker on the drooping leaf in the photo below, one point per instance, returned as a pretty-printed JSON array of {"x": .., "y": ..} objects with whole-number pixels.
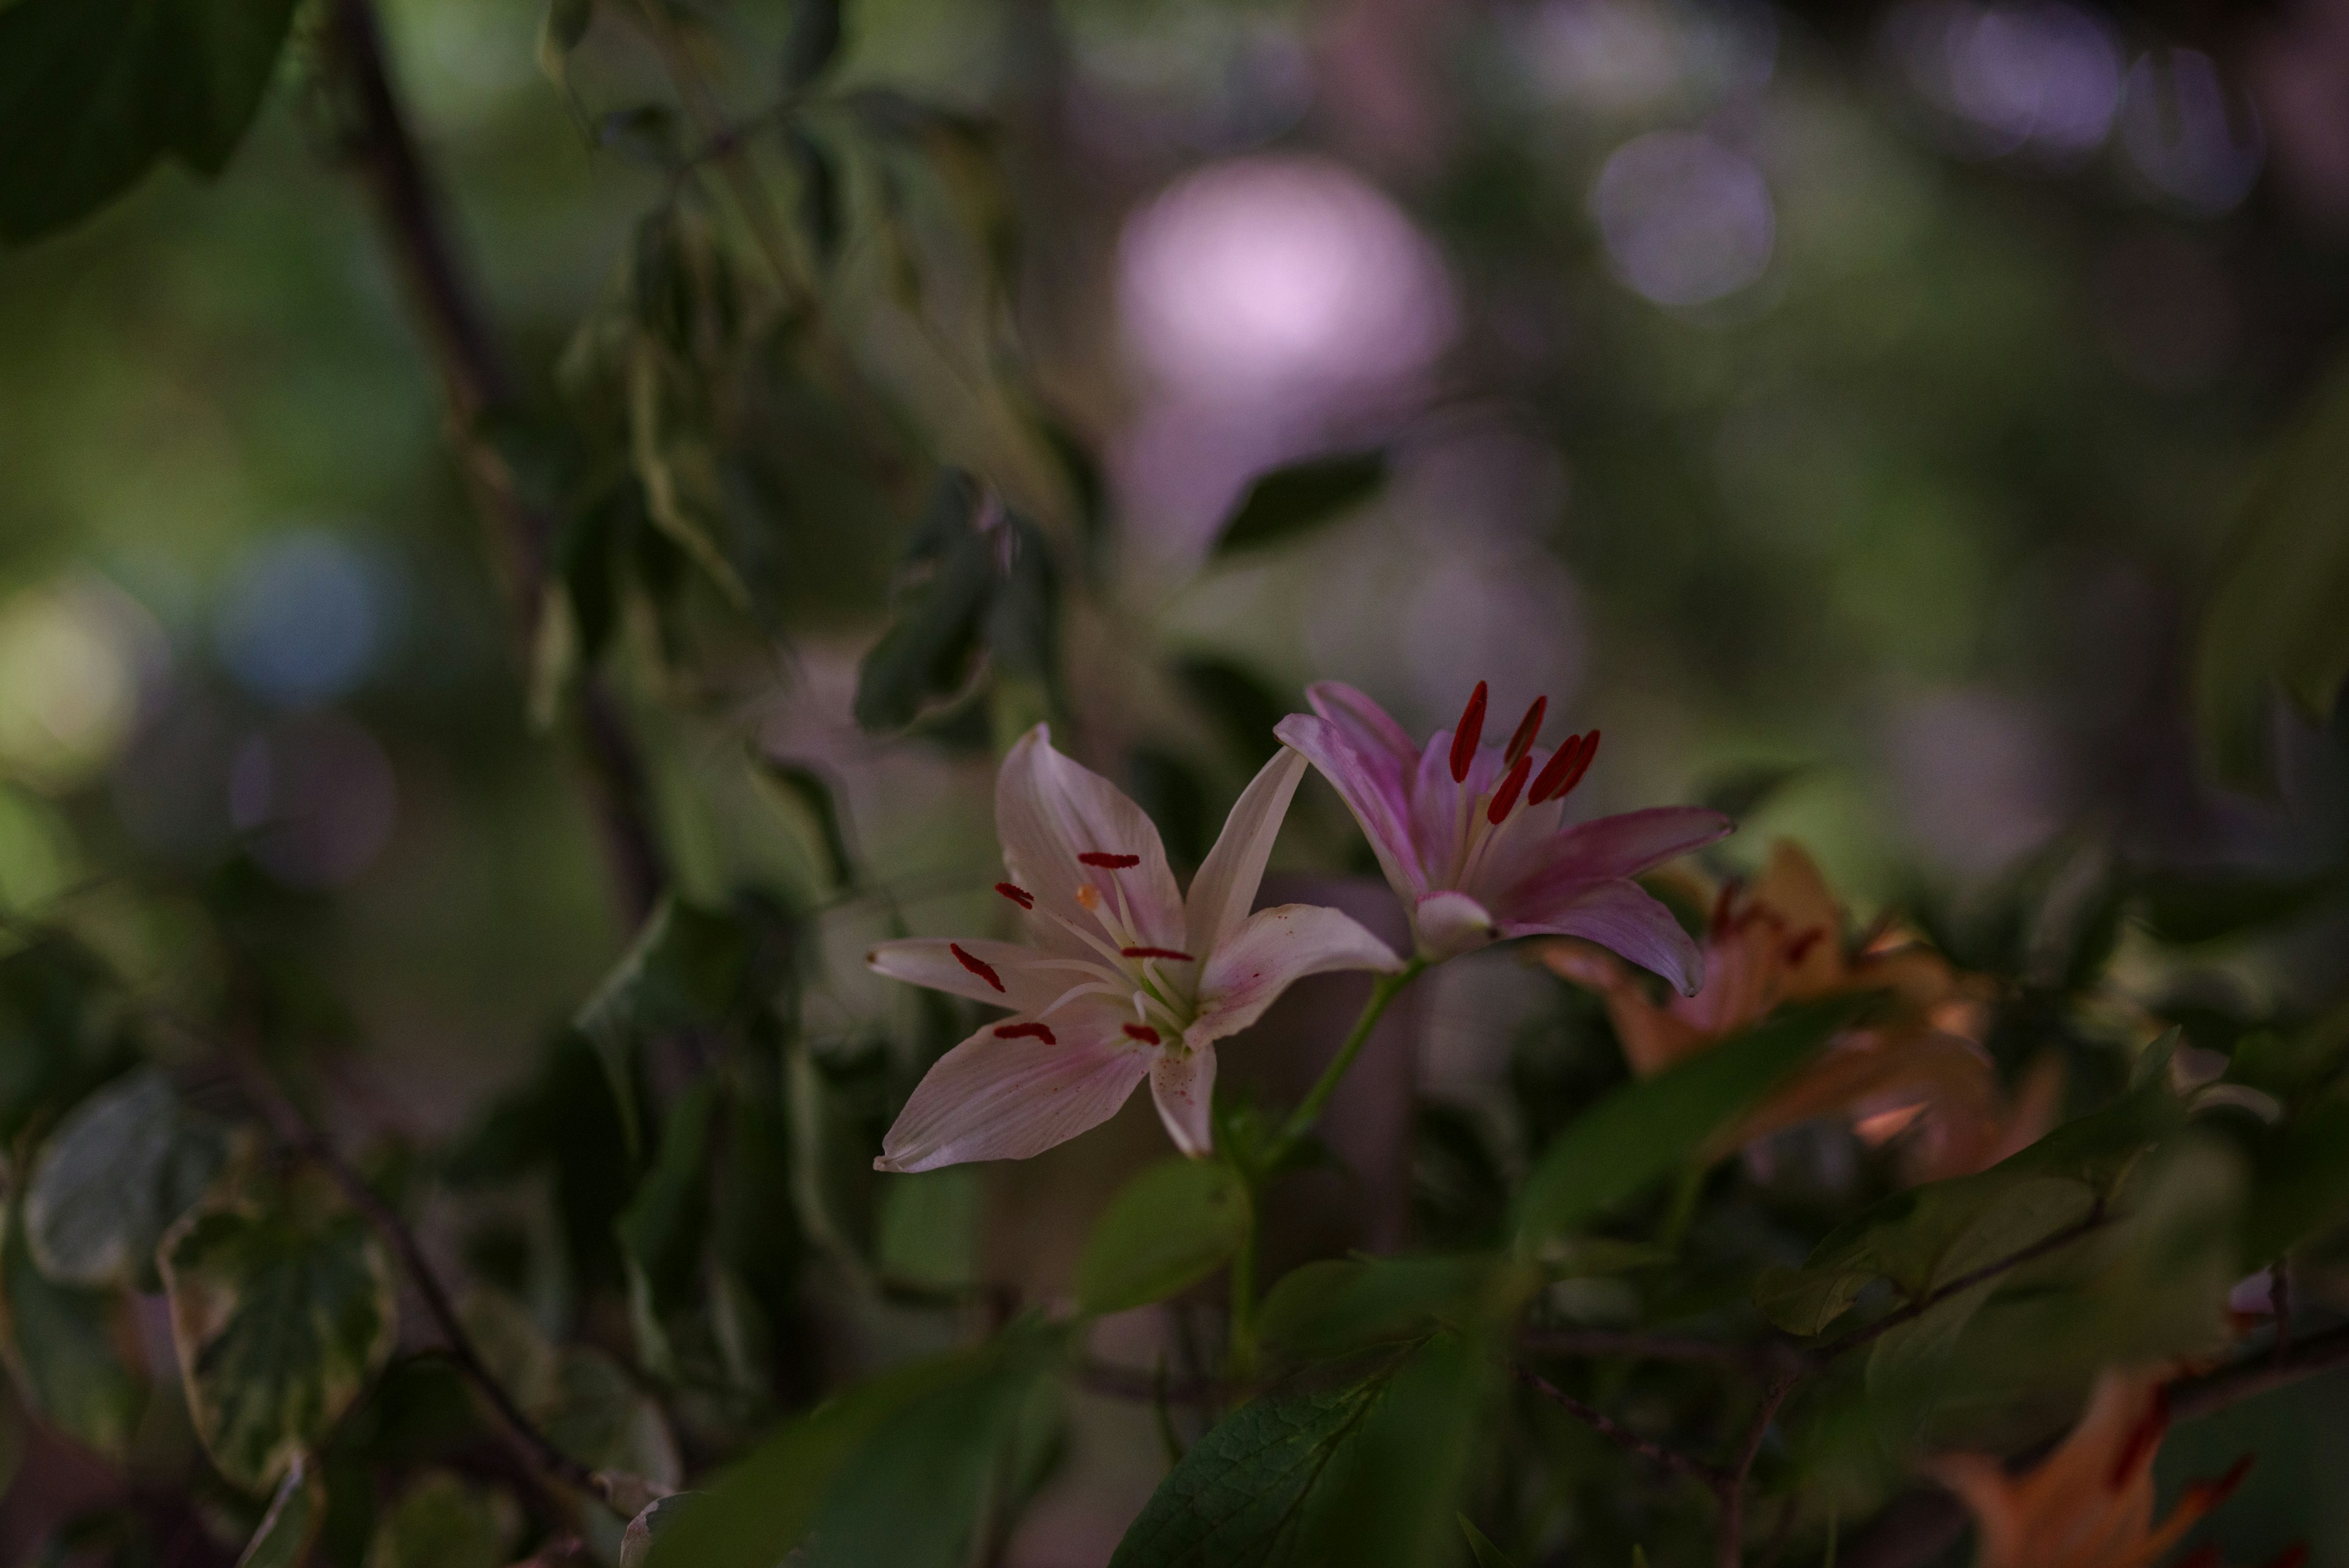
[
  {"x": 93, "y": 92},
  {"x": 891, "y": 1471},
  {"x": 1481, "y": 1546},
  {"x": 1338, "y": 1306},
  {"x": 1646, "y": 1130},
  {"x": 2274, "y": 627},
  {"x": 812, "y": 42},
  {"x": 117, "y": 1172},
  {"x": 1286, "y": 502},
  {"x": 444, "y": 1520},
  {"x": 682, "y": 972},
  {"x": 808, "y": 801},
  {"x": 282, "y": 1309},
  {"x": 69, "y": 1351},
  {"x": 1165, "y": 1230},
  {"x": 296, "y": 1515},
  {"x": 934, "y": 641}
]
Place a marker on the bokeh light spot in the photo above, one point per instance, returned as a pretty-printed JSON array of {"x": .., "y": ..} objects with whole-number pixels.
[
  {"x": 305, "y": 618},
  {"x": 315, "y": 798},
  {"x": 1686, "y": 220}
]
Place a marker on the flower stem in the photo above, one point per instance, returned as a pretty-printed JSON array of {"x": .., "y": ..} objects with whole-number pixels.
[{"x": 1384, "y": 989}]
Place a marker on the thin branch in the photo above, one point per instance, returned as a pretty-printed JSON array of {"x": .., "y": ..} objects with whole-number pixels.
[
  {"x": 1730, "y": 1550},
  {"x": 1622, "y": 1436},
  {"x": 297, "y": 1132},
  {"x": 2094, "y": 1221},
  {"x": 478, "y": 381},
  {"x": 2261, "y": 1374}
]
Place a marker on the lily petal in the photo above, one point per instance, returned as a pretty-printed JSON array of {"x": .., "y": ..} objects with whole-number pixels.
[
  {"x": 993, "y": 1098},
  {"x": 1273, "y": 949},
  {"x": 1623, "y": 919},
  {"x": 1372, "y": 791},
  {"x": 1613, "y": 847},
  {"x": 1448, "y": 924},
  {"x": 1182, "y": 1083},
  {"x": 1048, "y": 811},
  {"x": 1365, "y": 722},
  {"x": 930, "y": 961},
  {"x": 1225, "y": 888}
]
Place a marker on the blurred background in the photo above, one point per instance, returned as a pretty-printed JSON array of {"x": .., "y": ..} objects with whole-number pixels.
[{"x": 1857, "y": 399}]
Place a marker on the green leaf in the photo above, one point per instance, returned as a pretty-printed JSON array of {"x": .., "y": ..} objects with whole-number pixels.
[
  {"x": 583, "y": 1399},
  {"x": 1487, "y": 1555},
  {"x": 2187, "y": 911},
  {"x": 649, "y": 1526},
  {"x": 1288, "y": 501},
  {"x": 71, "y": 1352},
  {"x": 1165, "y": 1230},
  {"x": 811, "y": 43},
  {"x": 684, "y": 969},
  {"x": 1366, "y": 1472},
  {"x": 296, "y": 1514},
  {"x": 92, "y": 93},
  {"x": 820, "y": 208},
  {"x": 1338, "y": 1306},
  {"x": 930, "y": 649},
  {"x": 565, "y": 25},
  {"x": 891, "y": 1471},
  {"x": 808, "y": 801},
  {"x": 2274, "y": 627},
  {"x": 114, "y": 1177},
  {"x": 282, "y": 1310},
  {"x": 926, "y": 1233},
  {"x": 445, "y": 1522},
  {"x": 1644, "y": 1130},
  {"x": 662, "y": 1228}
]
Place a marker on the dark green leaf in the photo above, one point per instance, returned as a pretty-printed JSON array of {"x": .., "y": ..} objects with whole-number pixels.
[
  {"x": 1365, "y": 1472},
  {"x": 71, "y": 1352},
  {"x": 566, "y": 23},
  {"x": 820, "y": 208},
  {"x": 1487, "y": 1555},
  {"x": 891, "y": 1472},
  {"x": 684, "y": 970},
  {"x": 931, "y": 648},
  {"x": 92, "y": 93},
  {"x": 1286, "y": 502},
  {"x": 1644, "y": 1130},
  {"x": 1338, "y": 1306},
  {"x": 296, "y": 1514},
  {"x": 114, "y": 1177},
  {"x": 662, "y": 1228},
  {"x": 282, "y": 1311},
  {"x": 2185, "y": 910},
  {"x": 1165, "y": 1230},
  {"x": 445, "y": 1522},
  {"x": 2274, "y": 627},
  {"x": 812, "y": 42}
]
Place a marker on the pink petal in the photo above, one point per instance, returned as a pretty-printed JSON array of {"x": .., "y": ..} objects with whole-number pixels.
[
  {"x": 1612, "y": 847},
  {"x": 1182, "y": 1083},
  {"x": 1361, "y": 721},
  {"x": 1376, "y": 798},
  {"x": 1274, "y": 949},
  {"x": 1624, "y": 919},
  {"x": 930, "y": 960},
  {"x": 992, "y": 1099},
  {"x": 1448, "y": 924},
  {"x": 1225, "y": 888},
  {"x": 1048, "y": 811}
]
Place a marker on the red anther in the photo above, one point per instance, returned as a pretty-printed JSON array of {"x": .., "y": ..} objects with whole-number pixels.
[
  {"x": 1141, "y": 1031},
  {"x": 2142, "y": 1440},
  {"x": 1108, "y": 862},
  {"x": 1032, "y": 1030},
  {"x": 1466, "y": 733},
  {"x": 1567, "y": 766},
  {"x": 1156, "y": 953},
  {"x": 1528, "y": 729},
  {"x": 1800, "y": 948},
  {"x": 1506, "y": 795},
  {"x": 1724, "y": 907},
  {"x": 985, "y": 971},
  {"x": 1017, "y": 895}
]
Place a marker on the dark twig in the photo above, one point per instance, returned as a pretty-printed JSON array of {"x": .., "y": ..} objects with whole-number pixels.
[
  {"x": 1730, "y": 1548},
  {"x": 296, "y": 1132},
  {"x": 478, "y": 383},
  {"x": 1714, "y": 1480},
  {"x": 2094, "y": 1221}
]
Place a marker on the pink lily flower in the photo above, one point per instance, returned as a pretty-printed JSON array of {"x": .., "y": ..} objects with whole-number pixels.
[
  {"x": 1472, "y": 836},
  {"x": 1122, "y": 978}
]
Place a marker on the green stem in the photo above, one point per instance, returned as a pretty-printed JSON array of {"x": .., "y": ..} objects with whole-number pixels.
[{"x": 1308, "y": 1110}]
